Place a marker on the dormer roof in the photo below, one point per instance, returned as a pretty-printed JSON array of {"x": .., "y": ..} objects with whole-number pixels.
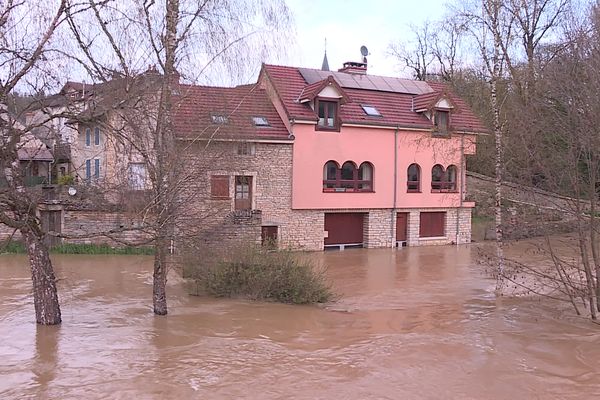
[
  {"x": 434, "y": 100},
  {"x": 310, "y": 92}
]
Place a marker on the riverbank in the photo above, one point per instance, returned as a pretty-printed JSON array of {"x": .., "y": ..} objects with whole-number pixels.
[{"x": 15, "y": 247}]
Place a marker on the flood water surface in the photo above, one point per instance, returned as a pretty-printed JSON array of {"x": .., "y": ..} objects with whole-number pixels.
[{"x": 416, "y": 323}]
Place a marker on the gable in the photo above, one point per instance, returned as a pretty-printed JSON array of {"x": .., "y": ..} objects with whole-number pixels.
[
  {"x": 443, "y": 103},
  {"x": 330, "y": 92}
]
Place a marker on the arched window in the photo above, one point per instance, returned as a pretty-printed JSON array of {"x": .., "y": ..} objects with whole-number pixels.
[
  {"x": 451, "y": 178},
  {"x": 437, "y": 177},
  {"x": 348, "y": 178},
  {"x": 330, "y": 174},
  {"x": 365, "y": 177},
  {"x": 348, "y": 175},
  {"x": 413, "y": 181}
]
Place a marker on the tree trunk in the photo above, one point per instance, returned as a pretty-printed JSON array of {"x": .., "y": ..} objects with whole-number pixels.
[
  {"x": 45, "y": 295},
  {"x": 166, "y": 158},
  {"x": 498, "y": 192},
  {"x": 159, "y": 289},
  {"x": 499, "y": 157}
]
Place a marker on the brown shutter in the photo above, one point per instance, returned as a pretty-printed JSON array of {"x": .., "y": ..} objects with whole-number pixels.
[
  {"x": 219, "y": 186},
  {"x": 432, "y": 224}
]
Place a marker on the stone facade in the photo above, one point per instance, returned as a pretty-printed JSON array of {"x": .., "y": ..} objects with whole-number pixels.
[
  {"x": 379, "y": 228},
  {"x": 450, "y": 229},
  {"x": 270, "y": 167}
]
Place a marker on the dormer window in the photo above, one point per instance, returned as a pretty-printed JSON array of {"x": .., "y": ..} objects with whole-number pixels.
[
  {"x": 328, "y": 114},
  {"x": 441, "y": 121},
  {"x": 260, "y": 121},
  {"x": 219, "y": 119},
  {"x": 371, "y": 111}
]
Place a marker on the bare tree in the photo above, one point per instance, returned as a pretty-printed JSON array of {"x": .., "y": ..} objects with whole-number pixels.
[
  {"x": 534, "y": 22},
  {"x": 566, "y": 116},
  {"x": 433, "y": 51},
  {"x": 177, "y": 39},
  {"x": 23, "y": 48},
  {"x": 417, "y": 55}
]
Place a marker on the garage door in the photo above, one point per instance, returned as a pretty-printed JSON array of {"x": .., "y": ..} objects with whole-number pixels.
[{"x": 344, "y": 228}]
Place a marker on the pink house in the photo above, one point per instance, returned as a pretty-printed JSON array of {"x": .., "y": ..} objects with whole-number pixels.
[
  {"x": 376, "y": 161},
  {"x": 312, "y": 159}
]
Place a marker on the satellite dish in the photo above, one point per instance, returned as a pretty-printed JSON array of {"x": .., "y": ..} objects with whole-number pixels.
[{"x": 364, "y": 51}]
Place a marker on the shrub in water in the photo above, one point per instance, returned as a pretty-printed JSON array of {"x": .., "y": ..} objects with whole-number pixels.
[{"x": 259, "y": 274}]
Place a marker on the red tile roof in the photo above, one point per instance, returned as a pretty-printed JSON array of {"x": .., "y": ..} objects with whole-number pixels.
[
  {"x": 311, "y": 91},
  {"x": 196, "y": 106},
  {"x": 396, "y": 108},
  {"x": 425, "y": 101}
]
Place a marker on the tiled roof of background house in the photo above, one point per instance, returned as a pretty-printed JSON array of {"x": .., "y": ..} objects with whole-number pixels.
[
  {"x": 203, "y": 112},
  {"x": 33, "y": 153},
  {"x": 395, "y": 107}
]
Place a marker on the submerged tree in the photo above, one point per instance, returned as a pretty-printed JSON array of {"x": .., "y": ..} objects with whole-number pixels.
[{"x": 26, "y": 30}]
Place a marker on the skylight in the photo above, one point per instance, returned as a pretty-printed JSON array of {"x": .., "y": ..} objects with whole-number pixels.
[
  {"x": 219, "y": 119},
  {"x": 371, "y": 111},
  {"x": 260, "y": 121}
]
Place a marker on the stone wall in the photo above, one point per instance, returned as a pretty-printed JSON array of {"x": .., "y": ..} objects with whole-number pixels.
[
  {"x": 379, "y": 229},
  {"x": 92, "y": 226},
  {"x": 270, "y": 166},
  {"x": 527, "y": 211},
  {"x": 7, "y": 232},
  {"x": 450, "y": 237},
  {"x": 102, "y": 227},
  {"x": 236, "y": 227}
]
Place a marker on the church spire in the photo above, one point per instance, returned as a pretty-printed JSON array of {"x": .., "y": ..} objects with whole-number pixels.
[{"x": 325, "y": 65}]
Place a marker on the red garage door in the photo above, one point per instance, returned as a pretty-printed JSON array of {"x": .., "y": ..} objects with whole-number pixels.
[{"x": 344, "y": 228}]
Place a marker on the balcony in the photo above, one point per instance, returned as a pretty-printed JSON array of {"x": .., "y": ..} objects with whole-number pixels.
[{"x": 62, "y": 152}]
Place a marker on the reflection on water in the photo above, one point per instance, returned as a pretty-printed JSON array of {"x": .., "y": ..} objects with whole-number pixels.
[{"x": 417, "y": 323}]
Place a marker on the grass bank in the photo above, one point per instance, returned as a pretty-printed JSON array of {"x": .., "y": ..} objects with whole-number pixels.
[{"x": 15, "y": 247}]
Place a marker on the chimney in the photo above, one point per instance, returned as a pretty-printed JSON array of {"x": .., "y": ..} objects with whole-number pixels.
[{"x": 353, "y": 67}]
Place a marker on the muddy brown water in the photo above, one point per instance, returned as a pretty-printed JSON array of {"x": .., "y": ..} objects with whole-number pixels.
[{"x": 417, "y": 323}]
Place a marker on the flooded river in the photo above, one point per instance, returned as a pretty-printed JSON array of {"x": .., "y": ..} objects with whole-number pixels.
[{"x": 417, "y": 323}]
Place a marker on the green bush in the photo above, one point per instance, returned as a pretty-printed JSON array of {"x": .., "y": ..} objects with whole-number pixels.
[
  {"x": 259, "y": 274},
  {"x": 66, "y": 180}
]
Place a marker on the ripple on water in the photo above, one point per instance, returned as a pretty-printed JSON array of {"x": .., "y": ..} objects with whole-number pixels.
[{"x": 417, "y": 324}]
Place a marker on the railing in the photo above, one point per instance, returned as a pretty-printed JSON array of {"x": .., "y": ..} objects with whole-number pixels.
[
  {"x": 443, "y": 186},
  {"x": 35, "y": 180},
  {"x": 28, "y": 181}
]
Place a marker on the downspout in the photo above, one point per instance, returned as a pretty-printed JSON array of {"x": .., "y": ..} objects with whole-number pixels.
[
  {"x": 393, "y": 216},
  {"x": 463, "y": 176}
]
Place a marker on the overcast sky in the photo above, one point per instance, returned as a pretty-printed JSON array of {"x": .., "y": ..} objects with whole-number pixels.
[{"x": 349, "y": 24}]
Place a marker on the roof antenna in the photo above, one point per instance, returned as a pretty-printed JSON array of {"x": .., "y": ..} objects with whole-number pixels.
[{"x": 325, "y": 65}]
